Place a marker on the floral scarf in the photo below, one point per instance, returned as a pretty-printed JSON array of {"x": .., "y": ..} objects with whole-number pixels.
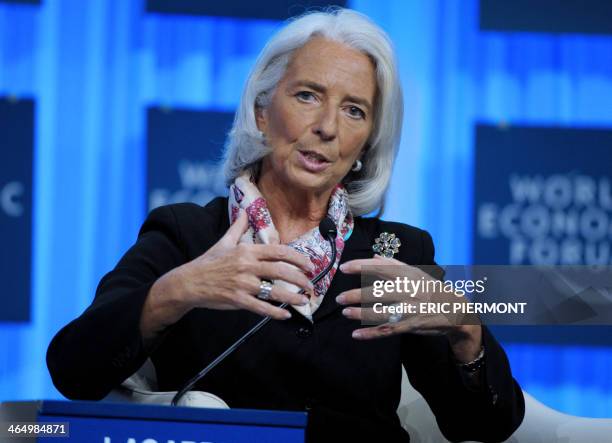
[{"x": 244, "y": 194}]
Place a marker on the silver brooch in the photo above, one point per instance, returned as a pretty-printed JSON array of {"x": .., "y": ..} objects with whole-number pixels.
[{"x": 386, "y": 244}]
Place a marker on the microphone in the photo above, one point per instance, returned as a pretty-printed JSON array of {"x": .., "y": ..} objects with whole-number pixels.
[{"x": 328, "y": 230}]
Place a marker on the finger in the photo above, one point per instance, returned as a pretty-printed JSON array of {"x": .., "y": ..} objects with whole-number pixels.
[
  {"x": 235, "y": 231},
  {"x": 280, "y": 294},
  {"x": 366, "y": 315},
  {"x": 285, "y": 272},
  {"x": 354, "y": 266},
  {"x": 263, "y": 308},
  {"x": 381, "y": 331},
  {"x": 370, "y": 266},
  {"x": 285, "y": 296},
  {"x": 389, "y": 259},
  {"x": 350, "y": 297},
  {"x": 416, "y": 324},
  {"x": 366, "y": 295},
  {"x": 382, "y": 267},
  {"x": 283, "y": 253}
]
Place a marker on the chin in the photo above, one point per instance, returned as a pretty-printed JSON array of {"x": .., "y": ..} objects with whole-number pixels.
[{"x": 307, "y": 181}]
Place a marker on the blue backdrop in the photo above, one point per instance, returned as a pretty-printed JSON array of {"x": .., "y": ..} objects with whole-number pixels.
[
  {"x": 16, "y": 130},
  {"x": 93, "y": 68}
]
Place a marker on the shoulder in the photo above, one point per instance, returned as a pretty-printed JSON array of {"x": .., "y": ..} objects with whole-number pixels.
[
  {"x": 192, "y": 213},
  {"x": 417, "y": 246},
  {"x": 189, "y": 222}
]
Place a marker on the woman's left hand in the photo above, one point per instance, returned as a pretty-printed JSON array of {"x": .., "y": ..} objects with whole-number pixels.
[{"x": 465, "y": 339}]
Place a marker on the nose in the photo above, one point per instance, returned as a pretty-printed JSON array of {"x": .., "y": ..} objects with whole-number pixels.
[{"x": 326, "y": 125}]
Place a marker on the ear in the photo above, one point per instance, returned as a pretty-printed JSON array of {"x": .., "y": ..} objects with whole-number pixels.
[{"x": 261, "y": 118}]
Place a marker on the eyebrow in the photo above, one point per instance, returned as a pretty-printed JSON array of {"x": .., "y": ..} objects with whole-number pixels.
[{"x": 322, "y": 89}]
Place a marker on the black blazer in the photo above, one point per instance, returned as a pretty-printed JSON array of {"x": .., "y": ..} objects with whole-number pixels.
[{"x": 350, "y": 388}]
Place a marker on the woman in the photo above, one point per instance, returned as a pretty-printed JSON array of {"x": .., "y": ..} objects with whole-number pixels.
[{"x": 315, "y": 135}]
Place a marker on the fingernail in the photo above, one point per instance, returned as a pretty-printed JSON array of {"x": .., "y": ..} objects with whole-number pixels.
[
  {"x": 287, "y": 315},
  {"x": 343, "y": 267},
  {"x": 340, "y": 299},
  {"x": 304, "y": 301},
  {"x": 357, "y": 334},
  {"x": 346, "y": 311}
]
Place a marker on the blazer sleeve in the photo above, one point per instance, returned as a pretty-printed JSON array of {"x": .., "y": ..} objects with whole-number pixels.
[
  {"x": 488, "y": 414},
  {"x": 101, "y": 348}
]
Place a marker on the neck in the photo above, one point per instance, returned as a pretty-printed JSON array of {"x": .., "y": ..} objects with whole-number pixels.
[{"x": 294, "y": 211}]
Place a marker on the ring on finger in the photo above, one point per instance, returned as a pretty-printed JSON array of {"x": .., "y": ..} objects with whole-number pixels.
[
  {"x": 265, "y": 289},
  {"x": 396, "y": 316}
]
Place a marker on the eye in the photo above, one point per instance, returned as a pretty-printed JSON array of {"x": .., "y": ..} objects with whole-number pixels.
[
  {"x": 356, "y": 112},
  {"x": 305, "y": 96}
]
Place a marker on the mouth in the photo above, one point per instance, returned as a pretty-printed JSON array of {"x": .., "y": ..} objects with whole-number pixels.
[
  {"x": 315, "y": 156},
  {"x": 313, "y": 161}
]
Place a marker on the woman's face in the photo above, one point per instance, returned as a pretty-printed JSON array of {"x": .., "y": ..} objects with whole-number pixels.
[{"x": 320, "y": 116}]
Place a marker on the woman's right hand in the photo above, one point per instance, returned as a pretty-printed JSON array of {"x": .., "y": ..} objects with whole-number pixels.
[{"x": 227, "y": 276}]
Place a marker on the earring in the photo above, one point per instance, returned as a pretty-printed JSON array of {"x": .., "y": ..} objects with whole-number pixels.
[
  {"x": 357, "y": 166},
  {"x": 262, "y": 137}
]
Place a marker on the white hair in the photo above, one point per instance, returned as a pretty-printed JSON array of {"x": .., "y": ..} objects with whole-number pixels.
[{"x": 246, "y": 147}]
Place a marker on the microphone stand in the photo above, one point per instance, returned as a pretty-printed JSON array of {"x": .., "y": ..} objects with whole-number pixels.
[{"x": 330, "y": 236}]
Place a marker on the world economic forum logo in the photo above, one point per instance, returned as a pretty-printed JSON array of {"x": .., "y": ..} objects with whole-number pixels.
[
  {"x": 556, "y": 219},
  {"x": 542, "y": 196}
]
